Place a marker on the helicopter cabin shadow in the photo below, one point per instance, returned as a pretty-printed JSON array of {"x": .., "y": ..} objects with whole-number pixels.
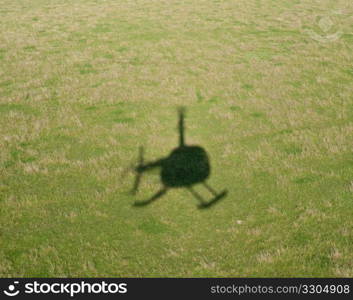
[{"x": 184, "y": 167}]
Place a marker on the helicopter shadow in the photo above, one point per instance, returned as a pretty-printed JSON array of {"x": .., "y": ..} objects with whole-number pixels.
[{"x": 184, "y": 167}]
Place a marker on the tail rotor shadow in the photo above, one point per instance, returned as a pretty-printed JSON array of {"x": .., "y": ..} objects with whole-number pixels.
[{"x": 138, "y": 173}]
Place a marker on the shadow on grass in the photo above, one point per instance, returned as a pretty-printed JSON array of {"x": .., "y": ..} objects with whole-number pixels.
[{"x": 184, "y": 167}]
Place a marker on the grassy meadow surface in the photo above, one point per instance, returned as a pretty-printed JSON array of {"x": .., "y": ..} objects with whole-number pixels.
[{"x": 84, "y": 83}]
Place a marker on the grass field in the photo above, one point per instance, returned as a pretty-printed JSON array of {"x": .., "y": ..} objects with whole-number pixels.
[{"x": 268, "y": 90}]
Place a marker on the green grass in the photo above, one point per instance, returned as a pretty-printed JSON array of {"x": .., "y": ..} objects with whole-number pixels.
[{"x": 83, "y": 84}]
